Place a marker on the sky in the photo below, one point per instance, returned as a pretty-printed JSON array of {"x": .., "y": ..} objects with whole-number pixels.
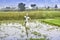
[{"x": 40, "y": 3}]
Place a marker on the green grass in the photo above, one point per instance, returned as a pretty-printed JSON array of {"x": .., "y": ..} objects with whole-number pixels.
[
  {"x": 33, "y": 14},
  {"x": 13, "y": 16},
  {"x": 12, "y": 21},
  {"x": 37, "y": 39},
  {"x": 35, "y": 33},
  {"x": 55, "y": 22}
]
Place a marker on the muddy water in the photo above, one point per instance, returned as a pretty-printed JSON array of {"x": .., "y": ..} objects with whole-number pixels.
[{"x": 36, "y": 30}]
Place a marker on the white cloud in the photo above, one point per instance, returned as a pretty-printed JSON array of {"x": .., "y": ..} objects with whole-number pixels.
[{"x": 58, "y": 6}]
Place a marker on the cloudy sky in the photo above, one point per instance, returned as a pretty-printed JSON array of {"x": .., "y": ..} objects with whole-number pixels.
[{"x": 40, "y": 3}]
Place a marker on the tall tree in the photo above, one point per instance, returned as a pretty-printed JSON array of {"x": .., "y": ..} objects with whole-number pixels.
[
  {"x": 7, "y": 7},
  {"x": 21, "y": 6},
  {"x": 48, "y": 7},
  {"x": 33, "y": 5},
  {"x": 56, "y": 6}
]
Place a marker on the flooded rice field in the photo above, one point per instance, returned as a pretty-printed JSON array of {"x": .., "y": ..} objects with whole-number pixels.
[{"x": 17, "y": 31}]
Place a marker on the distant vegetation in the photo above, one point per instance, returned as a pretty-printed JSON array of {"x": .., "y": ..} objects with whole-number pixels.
[{"x": 22, "y": 7}]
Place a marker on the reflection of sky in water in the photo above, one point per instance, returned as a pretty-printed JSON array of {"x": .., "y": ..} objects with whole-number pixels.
[{"x": 14, "y": 31}]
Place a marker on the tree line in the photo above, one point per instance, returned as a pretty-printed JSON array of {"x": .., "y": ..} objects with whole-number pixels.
[{"x": 22, "y": 7}]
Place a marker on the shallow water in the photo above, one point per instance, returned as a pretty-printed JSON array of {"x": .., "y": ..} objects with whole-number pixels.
[{"x": 17, "y": 32}]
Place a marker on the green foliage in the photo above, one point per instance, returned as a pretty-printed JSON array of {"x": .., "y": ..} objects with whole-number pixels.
[
  {"x": 37, "y": 39},
  {"x": 32, "y": 15},
  {"x": 56, "y": 6},
  {"x": 33, "y": 6},
  {"x": 52, "y": 21},
  {"x": 21, "y": 6},
  {"x": 36, "y": 33}
]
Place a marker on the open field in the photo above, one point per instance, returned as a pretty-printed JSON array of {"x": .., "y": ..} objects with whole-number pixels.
[
  {"x": 12, "y": 25},
  {"x": 32, "y": 14},
  {"x": 16, "y": 16}
]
